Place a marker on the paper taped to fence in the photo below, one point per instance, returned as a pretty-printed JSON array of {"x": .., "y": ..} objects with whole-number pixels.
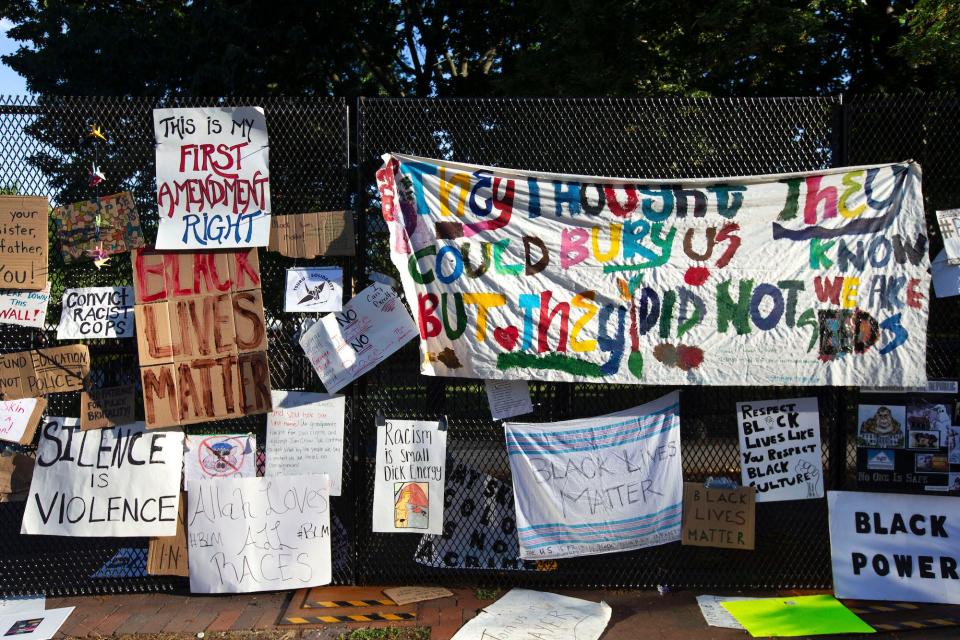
[
  {"x": 213, "y": 177},
  {"x": 598, "y": 485},
  {"x": 19, "y": 419},
  {"x": 96, "y": 312},
  {"x": 212, "y": 457},
  {"x": 408, "y": 490},
  {"x": 895, "y": 547},
  {"x": 258, "y": 534},
  {"x": 792, "y": 279},
  {"x": 119, "y": 482},
  {"x": 25, "y": 308},
  {"x": 344, "y": 345},
  {"x": 305, "y": 435}
]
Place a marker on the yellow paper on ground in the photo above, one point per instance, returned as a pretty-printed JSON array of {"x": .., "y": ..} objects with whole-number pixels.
[{"x": 796, "y": 616}]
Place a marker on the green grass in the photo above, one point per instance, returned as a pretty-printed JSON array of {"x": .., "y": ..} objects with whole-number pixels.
[{"x": 488, "y": 593}]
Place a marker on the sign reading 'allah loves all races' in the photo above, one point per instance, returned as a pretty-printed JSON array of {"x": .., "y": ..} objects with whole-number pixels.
[{"x": 792, "y": 279}]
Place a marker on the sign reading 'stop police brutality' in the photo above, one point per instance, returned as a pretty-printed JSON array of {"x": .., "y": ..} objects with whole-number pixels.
[
  {"x": 895, "y": 547},
  {"x": 213, "y": 178}
]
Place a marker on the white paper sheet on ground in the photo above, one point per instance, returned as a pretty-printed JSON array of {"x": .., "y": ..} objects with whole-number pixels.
[
  {"x": 258, "y": 534},
  {"x": 22, "y": 604},
  {"x": 305, "y": 435},
  {"x": 313, "y": 290},
  {"x": 40, "y": 625},
  {"x": 716, "y": 615},
  {"x": 523, "y": 614},
  {"x": 408, "y": 491},
  {"x": 946, "y": 277},
  {"x": 228, "y": 455},
  {"x": 508, "y": 398}
]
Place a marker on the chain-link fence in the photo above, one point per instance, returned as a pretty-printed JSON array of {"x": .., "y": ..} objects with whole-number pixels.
[{"x": 41, "y": 151}]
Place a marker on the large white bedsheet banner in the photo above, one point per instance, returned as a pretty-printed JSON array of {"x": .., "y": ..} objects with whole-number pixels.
[
  {"x": 598, "y": 485},
  {"x": 790, "y": 279}
]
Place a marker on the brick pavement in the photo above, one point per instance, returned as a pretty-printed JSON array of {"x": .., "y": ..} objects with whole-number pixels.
[{"x": 636, "y": 614}]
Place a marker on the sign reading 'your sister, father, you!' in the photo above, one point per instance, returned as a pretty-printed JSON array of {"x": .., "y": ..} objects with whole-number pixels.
[{"x": 792, "y": 279}]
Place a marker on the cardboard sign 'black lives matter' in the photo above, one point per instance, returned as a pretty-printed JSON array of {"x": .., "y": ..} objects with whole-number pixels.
[
  {"x": 23, "y": 242},
  {"x": 724, "y": 518}
]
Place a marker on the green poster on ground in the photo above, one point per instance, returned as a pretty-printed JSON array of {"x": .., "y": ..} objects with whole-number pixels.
[{"x": 796, "y": 616}]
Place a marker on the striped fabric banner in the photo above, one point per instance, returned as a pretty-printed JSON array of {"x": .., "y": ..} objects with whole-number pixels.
[{"x": 598, "y": 485}]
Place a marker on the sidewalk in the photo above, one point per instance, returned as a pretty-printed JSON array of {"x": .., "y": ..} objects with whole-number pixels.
[{"x": 636, "y": 614}]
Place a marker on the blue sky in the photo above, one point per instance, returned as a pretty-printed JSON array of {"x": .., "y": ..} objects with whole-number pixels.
[{"x": 10, "y": 81}]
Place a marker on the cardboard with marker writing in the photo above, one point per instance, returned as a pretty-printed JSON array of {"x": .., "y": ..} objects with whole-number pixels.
[
  {"x": 30, "y": 374},
  {"x": 724, "y": 518},
  {"x": 201, "y": 335},
  {"x": 167, "y": 556},
  {"x": 108, "y": 407},
  {"x": 309, "y": 235},
  {"x": 23, "y": 242}
]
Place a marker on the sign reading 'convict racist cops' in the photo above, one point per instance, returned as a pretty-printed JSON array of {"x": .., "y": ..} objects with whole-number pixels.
[
  {"x": 201, "y": 335},
  {"x": 799, "y": 279}
]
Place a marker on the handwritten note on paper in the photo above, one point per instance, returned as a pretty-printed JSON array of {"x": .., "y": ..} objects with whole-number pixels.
[
  {"x": 780, "y": 448},
  {"x": 96, "y": 312},
  {"x": 19, "y": 419},
  {"x": 343, "y": 346},
  {"x": 523, "y": 614},
  {"x": 305, "y": 435},
  {"x": 508, "y": 398},
  {"x": 25, "y": 308},
  {"x": 258, "y": 534},
  {"x": 23, "y": 242},
  {"x": 408, "y": 490}
]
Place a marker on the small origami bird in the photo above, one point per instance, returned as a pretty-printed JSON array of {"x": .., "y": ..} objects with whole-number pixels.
[
  {"x": 96, "y": 133},
  {"x": 96, "y": 176},
  {"x": 100, "y": 257}
]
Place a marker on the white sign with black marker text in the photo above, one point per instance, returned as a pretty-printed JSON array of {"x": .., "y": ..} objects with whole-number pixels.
[
  {"x": 103, "y": 483},
  {"x": 408, "y": 490},
  {"x": 895, "y": 547},
  {"x": 96, "y": 312},
  {"x": 780, "y": 448}
]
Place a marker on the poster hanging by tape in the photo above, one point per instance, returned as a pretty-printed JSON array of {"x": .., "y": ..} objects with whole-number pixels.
[
  {"x": 211, "y": 457},
  {"x": 792, "y": 279},
  {"x": 213, "y": 177},
  {"x": 598, "y": 485}
]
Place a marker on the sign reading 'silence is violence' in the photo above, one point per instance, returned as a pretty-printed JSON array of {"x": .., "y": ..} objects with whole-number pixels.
[{"x": 201, "y": 336}]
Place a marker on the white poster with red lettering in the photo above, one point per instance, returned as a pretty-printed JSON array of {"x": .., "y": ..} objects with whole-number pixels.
[{"x": 213, "y": 177}]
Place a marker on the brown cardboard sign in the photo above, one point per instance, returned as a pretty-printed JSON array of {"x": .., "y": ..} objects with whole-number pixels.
[
  {"x": 107, "y": 407},
  {"x": 31, "y": 374},
  {"x": 201, "y": 335},
  {"x": 167, "y": 556},
  {"x": 16, "y": 471},
  {"x": 724, "y": 518},
  {"x": 309, "y": 235},
  {"x": 408, "y": 595},
  {"x": 23, "y": 242}
]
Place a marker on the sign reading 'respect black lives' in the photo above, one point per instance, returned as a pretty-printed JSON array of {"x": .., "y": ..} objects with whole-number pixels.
[{"x": 895, "y": 547}]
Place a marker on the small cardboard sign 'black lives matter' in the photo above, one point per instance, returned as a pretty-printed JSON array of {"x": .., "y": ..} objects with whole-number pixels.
[{"x": 724, "y": 518}]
